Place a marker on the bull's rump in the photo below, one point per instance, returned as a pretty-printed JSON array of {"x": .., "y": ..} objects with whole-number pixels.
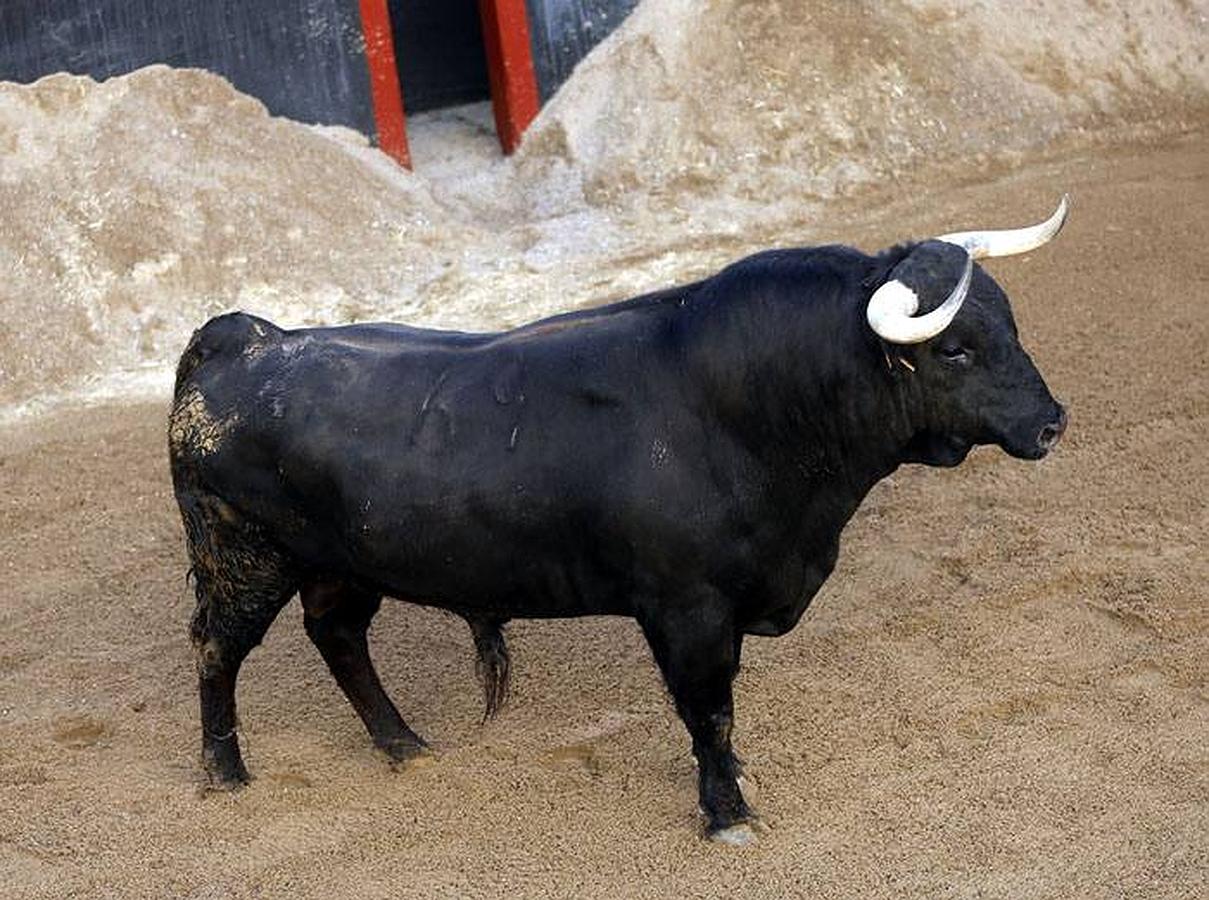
[{"x": 455, "y": 470}]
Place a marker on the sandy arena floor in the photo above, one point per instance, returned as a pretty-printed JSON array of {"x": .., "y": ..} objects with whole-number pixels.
[{"x": 1000, "y": 693}]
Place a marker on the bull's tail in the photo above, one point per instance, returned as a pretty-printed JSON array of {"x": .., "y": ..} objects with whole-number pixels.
[{"x": 493, "y": 662}]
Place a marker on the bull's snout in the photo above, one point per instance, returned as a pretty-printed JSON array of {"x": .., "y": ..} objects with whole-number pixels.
[{"x": 1052, "y": 433}]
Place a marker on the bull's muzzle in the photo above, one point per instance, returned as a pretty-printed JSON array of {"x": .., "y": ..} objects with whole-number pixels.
[{"x": 1052, "y": 433}]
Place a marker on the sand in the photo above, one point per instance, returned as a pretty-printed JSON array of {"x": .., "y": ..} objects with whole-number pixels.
[{"x": 1000, "y": 693}]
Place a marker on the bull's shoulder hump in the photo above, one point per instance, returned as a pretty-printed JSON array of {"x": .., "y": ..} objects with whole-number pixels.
[{"x": 636, "y": 318}]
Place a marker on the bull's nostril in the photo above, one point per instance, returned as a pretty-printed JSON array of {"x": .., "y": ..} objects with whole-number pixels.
[{"x": 1052, "y": 432}]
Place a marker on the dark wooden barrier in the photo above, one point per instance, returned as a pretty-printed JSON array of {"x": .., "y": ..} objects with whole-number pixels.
[
  {"x": 327, "y": 61},
  {"x": 563, "y": 31},
  {"x": 304, "y": 58}
]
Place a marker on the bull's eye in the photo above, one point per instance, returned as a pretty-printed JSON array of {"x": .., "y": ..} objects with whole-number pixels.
[{"x": 954, "y": 353}]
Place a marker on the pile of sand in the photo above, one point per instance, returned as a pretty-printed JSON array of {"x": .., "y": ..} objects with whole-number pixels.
[
  {"x": 769, "y": 103},
  {"x": 136, "y": 208}
]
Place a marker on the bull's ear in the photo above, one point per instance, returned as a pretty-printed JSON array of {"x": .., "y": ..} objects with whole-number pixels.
[{"x": 884, "y": 265}]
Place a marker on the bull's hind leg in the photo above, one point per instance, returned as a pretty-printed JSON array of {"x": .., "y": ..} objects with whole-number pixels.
[
  {"x": 337, "y": 619},
  {"x": 242, "y": 581}
]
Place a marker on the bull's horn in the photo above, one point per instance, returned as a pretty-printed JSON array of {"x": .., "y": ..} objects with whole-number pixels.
[
  {"x": 891, "y": 310},
  {"x": 1010, "y": 241}
]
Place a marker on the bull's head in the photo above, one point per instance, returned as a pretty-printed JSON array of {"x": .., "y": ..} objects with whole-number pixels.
[{"x": 970, "y": 381}]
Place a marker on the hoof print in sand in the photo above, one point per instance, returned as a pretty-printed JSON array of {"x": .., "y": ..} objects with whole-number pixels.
[
  {"x": 581, "y": 755},
  {"x": 736, "y": 836},
  {"x": 290, "y": 780},
  {"x": 78, "y": 732}
]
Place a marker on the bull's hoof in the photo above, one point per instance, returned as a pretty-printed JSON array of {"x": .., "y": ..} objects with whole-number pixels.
[
  {"x": 224, "y": 767},
  {"x": 407, "y": 754},
  {"x": 226, "y": 780},
  {"x": 740, "y": 835},
  {"x": 217, "y": 784}
]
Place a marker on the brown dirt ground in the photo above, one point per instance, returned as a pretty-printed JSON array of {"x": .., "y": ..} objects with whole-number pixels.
[{"x": 1000, "y": 693}]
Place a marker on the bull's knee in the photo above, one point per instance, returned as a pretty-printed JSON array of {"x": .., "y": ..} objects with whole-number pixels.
[{"x": 208, "y": 658}]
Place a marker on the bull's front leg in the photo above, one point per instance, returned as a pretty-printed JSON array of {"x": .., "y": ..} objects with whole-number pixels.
[{"x": 696, "y": 645}]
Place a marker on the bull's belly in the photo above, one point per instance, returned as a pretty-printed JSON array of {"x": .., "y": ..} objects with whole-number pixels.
[
  {"x": 482, "y": 572},
  {"x": 555, "y": 590}
]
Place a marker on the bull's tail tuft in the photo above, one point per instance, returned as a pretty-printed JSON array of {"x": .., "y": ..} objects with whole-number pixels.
[{"x": 493, "y": 663}]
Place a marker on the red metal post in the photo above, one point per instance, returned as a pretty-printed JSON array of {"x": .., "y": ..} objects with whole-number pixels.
[
  {"x": 509, "y": 68},
  {"x": 384, "y": 81}
]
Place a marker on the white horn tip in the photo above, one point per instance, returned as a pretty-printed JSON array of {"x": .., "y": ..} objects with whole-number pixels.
[
  {"x": 1011, "y": 241},
  {"x": 1063, "y": 210}
]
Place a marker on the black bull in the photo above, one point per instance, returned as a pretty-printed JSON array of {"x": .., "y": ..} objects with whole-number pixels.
[{"x": 688, "y": 458}]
